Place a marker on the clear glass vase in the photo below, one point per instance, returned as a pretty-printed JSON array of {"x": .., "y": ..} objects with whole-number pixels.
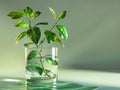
[{"x": 41, "y": 64}]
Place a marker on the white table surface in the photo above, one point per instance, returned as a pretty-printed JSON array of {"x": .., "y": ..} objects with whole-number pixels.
[
  {"x": 87, "y": 77},
  {"x": 104, "y": 80}
]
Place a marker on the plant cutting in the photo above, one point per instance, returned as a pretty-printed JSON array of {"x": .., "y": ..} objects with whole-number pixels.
[{"x": 40, "y": 65}]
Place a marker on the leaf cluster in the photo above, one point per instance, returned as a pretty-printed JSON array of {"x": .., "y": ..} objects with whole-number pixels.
[
  {"x": 25, "y": 17},
  {"x": 56, "y": 33}
]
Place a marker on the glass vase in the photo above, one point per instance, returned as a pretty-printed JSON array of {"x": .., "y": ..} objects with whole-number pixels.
[{"x": 41, "y": 64}]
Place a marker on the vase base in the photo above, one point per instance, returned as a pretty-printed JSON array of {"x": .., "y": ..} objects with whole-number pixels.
[{"x": 42, "y": 80}]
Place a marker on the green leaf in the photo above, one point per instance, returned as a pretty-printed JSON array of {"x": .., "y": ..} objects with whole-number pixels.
[
  {"x": 55, "y": 62},
  {"x": 41, "y": 23},
  {"x": 28, "y": 44},
  {"x": 47, "y": 71},
  {"x": 28, "y": 11},
  {"x": 34, "y": 34},
  {"x": 20, "y": 36},
  {"x": 22, "y": 23},
  {"x": 62, "y": 15},
  {"x": 39, "y": 70},
  {"x": 52, "y": 62},
  {"x": 35, "y": 14},
  {"x": 49, "y": 60},
  {"x": 32, "y": 54},
  {"x": 52, "y": 12},
  {"x": 33, "y": 65},
  {"x": 62, "y": 31},
  {"x": 52, "y": 37},
  {"x": 16, "y": 14},
  {"x": 60, "y": 42}
]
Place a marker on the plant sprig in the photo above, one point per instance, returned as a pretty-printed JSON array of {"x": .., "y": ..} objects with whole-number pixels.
[
  {"x": 33, "y": 32},
  {"x": 57, "y": 33}
]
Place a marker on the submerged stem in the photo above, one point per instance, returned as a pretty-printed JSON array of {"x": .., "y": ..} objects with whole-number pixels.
[{"x": 40, "y": 53}]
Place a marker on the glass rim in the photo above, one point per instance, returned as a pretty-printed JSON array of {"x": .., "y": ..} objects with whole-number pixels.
[{"x": 42, "y": 47}]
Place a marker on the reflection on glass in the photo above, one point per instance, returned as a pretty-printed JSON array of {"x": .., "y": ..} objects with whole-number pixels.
[
  {"x": 60, "y": 85},
  {"x": 43, "y": 67}
]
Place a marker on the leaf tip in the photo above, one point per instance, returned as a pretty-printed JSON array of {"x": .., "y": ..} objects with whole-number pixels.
[
  {"x": 63, "y": 46},
  {"x": 52, "y": 12},
  {"x": 16, "y": 43}
]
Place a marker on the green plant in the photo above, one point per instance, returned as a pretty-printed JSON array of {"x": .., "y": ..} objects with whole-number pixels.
[{"x": 56, "y": 33}]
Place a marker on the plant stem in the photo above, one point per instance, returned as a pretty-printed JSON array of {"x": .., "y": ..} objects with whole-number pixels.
[
  {"x": 29, "y": 23},
  {"x": 53, "y": 26},
  {"x": 43, "y": 40},
  {"x": 40, "y": 51},
  {"x": 42, "y": 62}
]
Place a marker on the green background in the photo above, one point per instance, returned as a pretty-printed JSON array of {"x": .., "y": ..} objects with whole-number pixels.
[{"x": 93, "y": 27}]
